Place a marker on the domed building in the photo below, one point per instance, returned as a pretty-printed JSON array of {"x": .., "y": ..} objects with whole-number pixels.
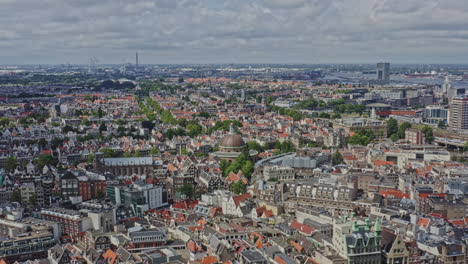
[{"x": 230, "y": 146}]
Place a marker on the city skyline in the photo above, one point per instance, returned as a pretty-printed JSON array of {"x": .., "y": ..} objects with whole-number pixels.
[{"x": 247, "y": 31}]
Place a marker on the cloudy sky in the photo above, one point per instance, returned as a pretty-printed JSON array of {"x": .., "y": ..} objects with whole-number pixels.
[{"x": 234, "y": 31}]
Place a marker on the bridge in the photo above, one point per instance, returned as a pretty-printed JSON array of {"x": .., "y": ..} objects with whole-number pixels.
[
  {"x": 450, "y": 138},
  {"x": 449, "y": 141}
]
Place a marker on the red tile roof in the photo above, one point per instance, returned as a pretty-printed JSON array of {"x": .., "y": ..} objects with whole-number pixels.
[
  {"x": 268, "y": 214},
  {"x": 383, "y": 163},
  {"x": 209, "y": 260},
  {"x": 457, "y": 222},
  {"x": 195, "y": 228},
  {"x": 305, "y": 229},
  {"x": 394, "y": 194},
  {"x": 424, "y": 222},
  {"x": 192, "y": 246},
  {"x": 110, "y": 256},
  {"x": 240, "y": 198},
  {"x": 425, "y": 195},
  {"x": 234, "y": 177},
  {"x": 260, "y": 210},
  {"x": 186, "y": 205}
]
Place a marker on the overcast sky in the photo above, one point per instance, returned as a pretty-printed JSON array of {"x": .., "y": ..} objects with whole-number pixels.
[{"x": 234, "y": 31}]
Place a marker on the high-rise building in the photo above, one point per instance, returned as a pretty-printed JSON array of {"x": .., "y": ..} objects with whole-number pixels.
[
  {"x": 136, "y": 60},
  {"x": 459, "y": 112},
  {"x": 434, "y": 114},
  {"x": 446, "y": 87},
  {"x": 383, "y": 71}
]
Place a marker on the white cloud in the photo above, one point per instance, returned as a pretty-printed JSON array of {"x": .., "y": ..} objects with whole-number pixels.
[{"x": 204, "y": 31}]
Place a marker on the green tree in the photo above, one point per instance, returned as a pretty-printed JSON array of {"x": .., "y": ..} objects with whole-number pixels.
[
  {"x": 183, "y": 151},
  {"x": 100, "y": 113},
  {"x": 223, "y": 165},
  {"x": 45, "y": 160},
  {"x": 428, "y": 134},
  {"x": 102, "y": 127},
  {"x": 247, "y": 168},
  {"x": 337, "y": 158},
  {"x": 441, "y": 124},
  {"x": 85, "y": 122},
  {"x": 67, "y": 129},
  {"x": 361, "y": 137},
  {"x": 277, "y": 144},
  {"x": 42, "y": 142},
  {"x": 194, "y": 130},
  {"x": 4, "y": 121},
  {"x": 188, "y": 191},
  {"x": 154, "y": 151},
  {"x": 16, "y": 196},
  {"x": 255, "y": 146},
  {"x": 204, "y": 115},
  {"x": 239, "y": 188},
  {"x": 11, "y": 163},
  {"x": 324, "y": 115},
  {"x": 336, "y": 116},
  {"x": 402, "y": 129},
  {"x": 56, "y": 142},
  {"x": 90, "y": 158},
  {"x": 287, "y": 146},
  {"x": 109, "y": 153},
  {"x": 269, "y": 100},
  {"x": 392, "y": 126}
]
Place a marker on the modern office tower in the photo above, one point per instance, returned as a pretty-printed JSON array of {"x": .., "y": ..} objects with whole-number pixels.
[
  {"x": 433, "y": 114},
  {"x": 383, "y": 71},
  {"x": 459, "y": 112},
  {"x": 446, "y": 87}
]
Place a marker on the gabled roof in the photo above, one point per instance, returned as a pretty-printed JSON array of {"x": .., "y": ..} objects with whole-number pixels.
[
  {"x": 192, "y": 246},
  {"x": 305, "y": 229},
  {"x": 110, "y": 256},
  {"x": 234, "y": 177},
  {"x": 240, "y": 198},
  {"x": 186, "y": 204}
]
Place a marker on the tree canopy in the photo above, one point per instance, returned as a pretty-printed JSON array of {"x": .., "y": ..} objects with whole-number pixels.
[
  {"x": 239, "y": 187},
  {"x": 337, "y": 158}
]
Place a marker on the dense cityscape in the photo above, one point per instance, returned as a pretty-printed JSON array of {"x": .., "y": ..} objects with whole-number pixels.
[
  {"x": 139, "y": 163},
  {"x": 233, "y": 132}
]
